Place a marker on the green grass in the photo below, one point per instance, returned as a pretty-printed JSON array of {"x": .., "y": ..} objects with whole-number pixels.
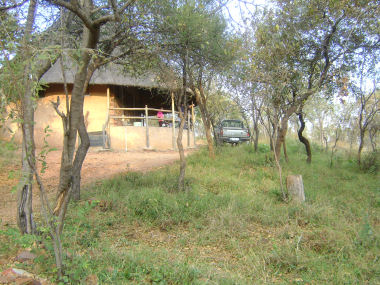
[{"x": 229, "y": 227}]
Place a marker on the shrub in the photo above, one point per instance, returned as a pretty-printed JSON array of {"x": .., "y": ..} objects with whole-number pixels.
[{"x": 371, "y": 162}]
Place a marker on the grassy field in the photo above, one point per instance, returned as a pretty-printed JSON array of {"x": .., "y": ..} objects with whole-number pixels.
[{"x": 229, "y": 227}]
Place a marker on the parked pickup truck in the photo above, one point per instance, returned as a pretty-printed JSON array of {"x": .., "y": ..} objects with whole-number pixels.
[{"x": 232, "y": 131}]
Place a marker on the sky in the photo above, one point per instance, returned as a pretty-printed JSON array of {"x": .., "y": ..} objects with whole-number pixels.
[{"x": 236, "y": 11}]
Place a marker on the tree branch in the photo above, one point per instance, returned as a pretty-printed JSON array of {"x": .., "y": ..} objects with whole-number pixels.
[
  {"x": 5, "y": 8},
  {"x": 76, "y": 10}
]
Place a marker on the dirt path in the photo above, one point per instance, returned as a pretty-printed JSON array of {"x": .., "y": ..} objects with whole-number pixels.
[{"x": 97, "y": 165}]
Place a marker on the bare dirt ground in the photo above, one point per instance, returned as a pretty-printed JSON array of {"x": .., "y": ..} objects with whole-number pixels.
[{"x": 98, "y": 165}]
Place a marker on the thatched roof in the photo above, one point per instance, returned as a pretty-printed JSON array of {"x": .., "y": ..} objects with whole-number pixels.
[{"x": 111, "y": 74}]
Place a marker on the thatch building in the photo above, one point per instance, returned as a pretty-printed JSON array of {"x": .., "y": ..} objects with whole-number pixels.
[{"x": 120, "y": 110}]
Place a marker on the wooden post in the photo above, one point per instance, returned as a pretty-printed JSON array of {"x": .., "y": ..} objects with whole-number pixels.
[
  {"x": 126, "y": 141},
  {"x": 147, "y": 127},
  {"x": 188, "y": 128},
  {"x": 173, "y": 123},
  {"x": 108, "y": 127},
  {"x": 193, "y": 121},
  {"x": 294, "y": 185},
  {"x": 108, "y": 100}
]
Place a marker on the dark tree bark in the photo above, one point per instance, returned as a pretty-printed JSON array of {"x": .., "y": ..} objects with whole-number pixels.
[
  {"x": 202, "y": 103},
  {"x": 361, "y": 146},
  {"x": 256, "y": 135},
  {"x": 326, "y": 143},
  {"x": 302, "y": 139}
]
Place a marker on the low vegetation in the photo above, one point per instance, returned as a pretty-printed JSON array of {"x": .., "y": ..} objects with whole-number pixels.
[{"x": 229, "y": 227}]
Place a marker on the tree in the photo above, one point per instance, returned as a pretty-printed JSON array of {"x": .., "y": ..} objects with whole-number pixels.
[
  {"x": 304, "y": 47},
  {"x": 215, "y": 56},
  {"x": 189, "y": 35},
  {"x": 92, "y": 19},
  {"x": 369, "y": 101},
  {"x": 23, "y": 62}
]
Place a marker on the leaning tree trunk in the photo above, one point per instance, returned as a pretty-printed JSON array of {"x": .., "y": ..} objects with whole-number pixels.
[
  {"x": 24, "y": 203},
  {"x": 361, "y": 145},
  {"x": 201, "y": 101},
  {"x": 302, "y": 139},
  {"x": 74, "y": 123},
  {"x": 256, "y": 135},
  {"x": 281, "y": 134},
  {"x": 283, "y": 129}
]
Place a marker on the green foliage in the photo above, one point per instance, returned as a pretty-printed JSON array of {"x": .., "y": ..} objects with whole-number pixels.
[
  {"x": 11, "y": 239},
  {"x": 45, "y": 150},
  {"x": 371, "y": 162}
]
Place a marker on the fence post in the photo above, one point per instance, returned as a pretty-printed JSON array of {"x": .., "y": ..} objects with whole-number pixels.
[
  {"x": 126, "y": 139},
  {"x": 193, "y": 121},
  {"x": 147, "y": 127},
  {"x": 188, "y": 128},
  {"x": 173, "y": 123},
  {"x": 108, "y": 127}
]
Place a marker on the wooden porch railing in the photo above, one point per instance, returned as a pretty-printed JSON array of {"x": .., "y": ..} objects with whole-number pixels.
[{"x": 145, "y": 119}]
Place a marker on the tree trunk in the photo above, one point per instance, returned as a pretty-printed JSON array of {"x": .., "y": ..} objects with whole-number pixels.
[
  {"x": 321, "y": 133},
  {"x": 285, "y": 152},
  {"x": 24, "y": 203},
  {"x": 326, "y": 144},
  {"x": 256, "y": 135},
  {"x": 281, "y": 134},
  {"x": 201, "y": 101},
  {"x": 361, "y": 145},
  {"x": 24, "y": 209},
  {"x": 79, "y": 159},
  {"x": 70, "y": 171},
  {"x": 182, "y": 158},
  {"x": 302, "y": 139},
  {"x": 271, "y": 132},
  {"x": 282, "y": 129},
  {"x": 214, "y": 132}
]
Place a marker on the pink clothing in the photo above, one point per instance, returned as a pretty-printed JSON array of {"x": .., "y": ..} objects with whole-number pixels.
[{"x": 160, "y": 116}]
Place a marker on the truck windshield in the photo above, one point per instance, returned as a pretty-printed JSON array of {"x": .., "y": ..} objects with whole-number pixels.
[{"x": 232, "y": 124}]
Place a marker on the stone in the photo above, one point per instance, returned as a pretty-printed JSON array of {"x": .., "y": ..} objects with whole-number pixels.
[
  {"x": 295, "y": 188},
  {"x": 25, "y": 256},
  {"x": 26, "y": 281},
  {"x": 7, "y": 279},
  {"x": 18, "y": 277},
  {"x": 21, "y": 272}
]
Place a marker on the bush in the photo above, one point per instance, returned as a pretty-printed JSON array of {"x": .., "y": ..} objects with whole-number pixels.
[{"x": 371, "y": 162}]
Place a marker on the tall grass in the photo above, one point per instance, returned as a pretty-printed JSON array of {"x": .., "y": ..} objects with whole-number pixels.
[{"x": 229, "y": 227}]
